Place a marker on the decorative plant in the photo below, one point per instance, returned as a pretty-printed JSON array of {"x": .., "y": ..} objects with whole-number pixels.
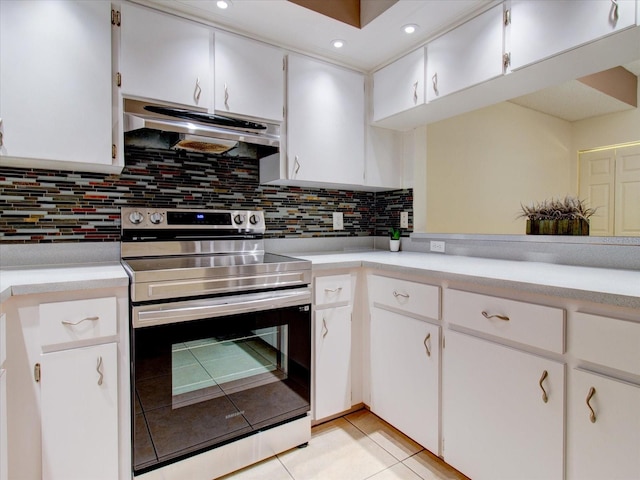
[
  {"x": 571, "y": 208},
  {"x": 394, "y": 233}
]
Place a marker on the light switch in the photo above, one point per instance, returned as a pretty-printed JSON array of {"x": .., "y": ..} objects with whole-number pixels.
[
  {"x": 338, "y": 222},
  {"x": 404, "y": 219}
]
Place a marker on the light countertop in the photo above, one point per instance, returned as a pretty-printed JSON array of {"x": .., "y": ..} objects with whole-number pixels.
[
  {"x": 609, "y": 286},
  {"x": 32, "y": 280}
]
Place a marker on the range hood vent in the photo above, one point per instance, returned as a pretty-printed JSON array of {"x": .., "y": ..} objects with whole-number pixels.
[{"x": 199, "y": 130}]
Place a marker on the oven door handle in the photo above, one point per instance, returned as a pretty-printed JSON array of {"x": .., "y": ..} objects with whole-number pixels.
[{"x": 150, "y": 315}]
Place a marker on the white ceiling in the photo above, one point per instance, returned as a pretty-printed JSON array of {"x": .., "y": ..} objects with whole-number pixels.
[
  {"x": 286, "y": 24},
  {"x": 576, "y": 101}
]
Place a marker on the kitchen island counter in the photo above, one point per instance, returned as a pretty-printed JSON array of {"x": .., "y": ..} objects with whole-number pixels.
[{"x": 601, "y": 285}]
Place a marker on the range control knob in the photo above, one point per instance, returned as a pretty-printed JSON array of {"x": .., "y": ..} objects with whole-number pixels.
[
  {"x": 238, "y": 219},
  {"x": 136, "y": 217},
  {"x": 254, "y": 219},
  {"x": 156, "y": 218}
]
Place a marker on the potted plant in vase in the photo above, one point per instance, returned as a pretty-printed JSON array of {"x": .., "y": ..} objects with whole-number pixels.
[
  {"x": 558, "y": 217},
  {"x": 394, "y": 239}
]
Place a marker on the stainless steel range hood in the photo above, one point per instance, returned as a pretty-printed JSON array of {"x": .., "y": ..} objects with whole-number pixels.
[{"x": 196, "y": 127}]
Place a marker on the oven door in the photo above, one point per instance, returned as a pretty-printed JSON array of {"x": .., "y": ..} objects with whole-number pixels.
[{"x": 209, "y": 371}]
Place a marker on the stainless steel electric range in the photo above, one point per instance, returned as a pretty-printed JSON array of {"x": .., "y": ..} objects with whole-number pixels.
[{"x": 221, "y": 341}]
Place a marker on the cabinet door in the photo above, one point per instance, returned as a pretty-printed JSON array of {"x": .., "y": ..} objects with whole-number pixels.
[
  {"x": 496, "y": 424},
  {"x": 79, "y": 408},
  {"x": 333, "y": 361},
  {"x": 541, "y": 29},
  {"x": 325, "y": 121},
  {"x": 405, "y": 366},
  {"x": 466, "y": 56},
  {"x": 399, "y": 86},
  {"x": 55, "y": 80},
  {"x": 4, "y": 471},
  {"x": 165, "y": 58},
  {"x": 249, "y": 77},
  {"x": 607, "y": 444}
]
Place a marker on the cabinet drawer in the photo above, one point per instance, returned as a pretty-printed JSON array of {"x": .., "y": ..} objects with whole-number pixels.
[
  {"x": 410, "y": 297},
  {"x": 65, "y": 322},
  {"x": 607, "y": 341},
  {"x": 536, "y": 325},
  {"x": 333, "y": 289}
]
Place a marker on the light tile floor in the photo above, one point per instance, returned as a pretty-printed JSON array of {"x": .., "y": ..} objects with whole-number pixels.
[{"x": 357, "y": 446}]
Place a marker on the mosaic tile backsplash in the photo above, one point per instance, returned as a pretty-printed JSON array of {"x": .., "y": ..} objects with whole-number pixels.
[{"x": 44, "y": 206}]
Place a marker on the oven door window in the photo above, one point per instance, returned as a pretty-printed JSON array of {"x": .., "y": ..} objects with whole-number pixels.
[{"x": 203, "y": 383}]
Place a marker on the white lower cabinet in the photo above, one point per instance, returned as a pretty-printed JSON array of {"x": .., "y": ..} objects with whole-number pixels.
[
  {"x": 4, "y": 472},
  {"x": 405, "y": 375},
  {"x": 603, "y": 428},
  {"x": 332, "y": 361},
  {"x": 603, "y": 412},
  {"x": 79, "y": 409},
  {"x": 68, "y": 391},
  {"x": 495, "y": 419}
]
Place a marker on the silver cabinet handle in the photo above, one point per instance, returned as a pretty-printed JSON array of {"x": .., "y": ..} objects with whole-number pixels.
[
  {"x": 226, "y": 97},
  {"x": 426, "y": 346},
  {"x": 415, "y": 93},
  {"x": 296, "y": 165},
  {"x": 592, "y": 414},
  {"x": 501, "y": 317},
  {"x": 613, "y": 13},
  {"x": 1, "y": 135},
  {"x": 85, "y": 319},
  {"x": 197, "y": 91},
  {"x": 99, "y": 370},
  {"x": 397, "y": 294},
  {"x": 325, "y": 330},
  {"x": 434, "y": 81},
  {"x": 333, "y": 290},
  {"x": 545, "y": 398}
]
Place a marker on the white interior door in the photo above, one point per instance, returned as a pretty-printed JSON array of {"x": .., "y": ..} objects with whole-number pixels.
[
  {"x": 596, "y": 186},
  {"x": 609, "y": 180},
  {"x": 627, "y": 202}
]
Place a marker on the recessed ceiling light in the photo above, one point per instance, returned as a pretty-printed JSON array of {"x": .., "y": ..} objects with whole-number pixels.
[
  {"x": 337, "y": 43},
  {"x": 223, "y": 4},
  {"x": 409, "y": 29}
]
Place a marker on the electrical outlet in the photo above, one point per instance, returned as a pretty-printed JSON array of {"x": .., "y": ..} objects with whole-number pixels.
[
  {"x": 338, "y": 222},
  {"x": 404, "y": 219},
  {"x": 436, "y": 246}
]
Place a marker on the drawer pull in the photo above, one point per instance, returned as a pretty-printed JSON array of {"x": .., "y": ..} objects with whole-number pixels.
[
  {"x": 592, "y": 415},
  {"x": 197, "y": 91},
  {"x": 325, "y": 330},
  {"x": 501, "y": 317},
  {"x": 333, "y": 290},
  {"x": 545, "y": 398},
  {"x": 403, "y": 295},
  {"x": 426, "y": 345},
  {"x": 86, "y": 319},
  {"x": 99, "y": 370}
]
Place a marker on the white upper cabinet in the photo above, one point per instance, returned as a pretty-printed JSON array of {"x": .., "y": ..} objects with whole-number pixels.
[
  {"x": 399, "y": 86},
  {"x": 467, "y": 55},
  {"x": 325, "y": 122},
  {"x": 165, "y": 58},
  {"x": 55, "y": 81},
  {"x": 541, "y": 29},
  {"x": 249, "y": 77}
]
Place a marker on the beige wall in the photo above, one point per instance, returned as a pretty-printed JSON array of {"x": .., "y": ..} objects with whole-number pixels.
[{"x": 482, "y": 165}]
